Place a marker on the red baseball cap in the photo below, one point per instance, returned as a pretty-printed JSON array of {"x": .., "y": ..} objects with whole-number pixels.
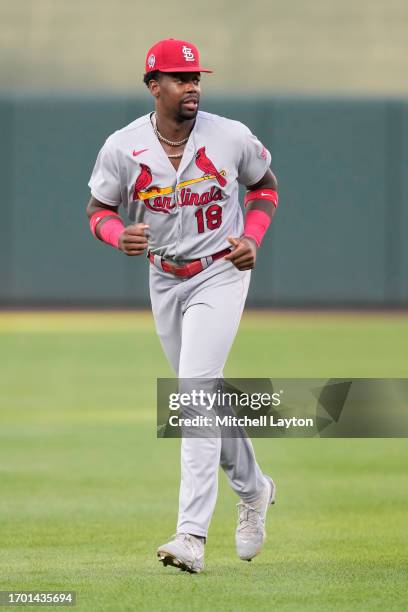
[{"x": 172, "y": 55}]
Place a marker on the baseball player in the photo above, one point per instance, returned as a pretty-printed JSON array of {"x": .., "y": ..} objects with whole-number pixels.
[{"x": 176, "y": 172}]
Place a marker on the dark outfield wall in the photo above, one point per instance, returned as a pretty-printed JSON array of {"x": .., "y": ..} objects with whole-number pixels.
[{"x": 339, "y": 237}]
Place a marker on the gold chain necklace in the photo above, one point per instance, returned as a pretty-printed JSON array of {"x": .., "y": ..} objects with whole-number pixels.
[{"x": 171, "y": 143}]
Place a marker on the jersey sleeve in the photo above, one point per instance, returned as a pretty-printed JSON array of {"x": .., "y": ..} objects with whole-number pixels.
[
  {"x": 105, "y": 179},
  {"x": 255, "y": 159}
]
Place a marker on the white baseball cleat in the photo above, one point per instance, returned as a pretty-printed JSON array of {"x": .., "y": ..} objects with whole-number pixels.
[
  {"x": 250, "y": 534},
  {"x": 185, "y": 552}
]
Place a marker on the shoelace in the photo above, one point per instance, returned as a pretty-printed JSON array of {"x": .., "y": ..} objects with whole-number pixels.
[{"x": 248, "y": 518}]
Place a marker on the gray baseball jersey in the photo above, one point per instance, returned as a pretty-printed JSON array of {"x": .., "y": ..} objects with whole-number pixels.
[{"x": 192, "y": 210}]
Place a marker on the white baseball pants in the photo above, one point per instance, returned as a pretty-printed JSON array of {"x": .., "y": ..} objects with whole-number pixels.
[{"x": 197, "y": 320}]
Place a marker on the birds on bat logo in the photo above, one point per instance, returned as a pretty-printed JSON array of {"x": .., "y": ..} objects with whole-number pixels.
[{"x": 157, "y": 199}]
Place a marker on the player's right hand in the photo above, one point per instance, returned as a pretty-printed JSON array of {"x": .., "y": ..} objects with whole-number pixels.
[{"x": 133, "y": 240}]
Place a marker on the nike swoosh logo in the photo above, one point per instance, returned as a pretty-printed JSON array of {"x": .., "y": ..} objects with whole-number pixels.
[{"x": 135, "y": 153}]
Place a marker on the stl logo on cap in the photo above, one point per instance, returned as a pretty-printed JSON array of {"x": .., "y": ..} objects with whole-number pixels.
[
  {"x": 188, "y": 54},
  {"x": 151, "y": 61}
]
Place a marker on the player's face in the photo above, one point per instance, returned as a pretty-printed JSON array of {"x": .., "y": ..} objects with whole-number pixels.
[{"x": 179, "y": 94}]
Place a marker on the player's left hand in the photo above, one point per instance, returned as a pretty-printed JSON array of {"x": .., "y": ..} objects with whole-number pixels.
[{"x": 243, "y": 255}]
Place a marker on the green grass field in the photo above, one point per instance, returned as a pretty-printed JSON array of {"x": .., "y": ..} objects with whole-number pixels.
[{"x": 88, "y": 492}]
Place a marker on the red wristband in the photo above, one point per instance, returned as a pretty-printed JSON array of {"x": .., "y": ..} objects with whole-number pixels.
[
  {"x": 262, "y": 194},
  {"x": 256, "y": 224},
  {"x": 110, "y": 230}
]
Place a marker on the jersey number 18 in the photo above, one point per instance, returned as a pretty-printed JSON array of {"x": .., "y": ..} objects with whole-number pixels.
[{"x": 212, "y": 218}]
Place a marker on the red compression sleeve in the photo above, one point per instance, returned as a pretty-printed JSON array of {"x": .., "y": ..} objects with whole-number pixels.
[
  {"x": 110, "y": 230},
  {"x": 256, "y": 224}
]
